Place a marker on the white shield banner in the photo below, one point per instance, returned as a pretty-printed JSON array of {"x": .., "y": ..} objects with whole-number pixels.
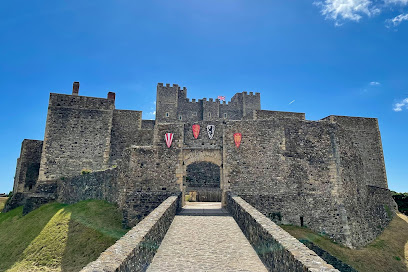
[{"x": 210, "y": 131}]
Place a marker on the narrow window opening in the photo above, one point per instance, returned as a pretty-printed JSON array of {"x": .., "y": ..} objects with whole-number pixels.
[
  {"x": 167, "y": 114},
  {"x": 180, "y": 118},
  {"x": 225, "y": 115},
  {"x": 209, "y": 114},
  {"x": 301, "y": 221}
]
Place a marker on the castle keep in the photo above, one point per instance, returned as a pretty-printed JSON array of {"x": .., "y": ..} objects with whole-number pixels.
[{"x": 328, "y": 175}]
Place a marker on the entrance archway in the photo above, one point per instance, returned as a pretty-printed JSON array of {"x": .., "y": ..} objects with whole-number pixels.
[
  {"x": 190, "y": 156},
  {"x": 203, "y": 182}
]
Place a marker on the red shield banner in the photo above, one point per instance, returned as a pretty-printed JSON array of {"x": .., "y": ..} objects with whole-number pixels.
[
  {"x": 237, "y": 139},
  {"x": 169, "y": 139},
  {"x": 196, "y": 130}
]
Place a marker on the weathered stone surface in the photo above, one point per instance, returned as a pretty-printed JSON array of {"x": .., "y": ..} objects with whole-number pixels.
[
  {"x": 278, "y": 250},
  {"x": 135, "y": 250},
  {"x": 330, "y": 259},
  {"x": 28, "y": 166},
  {"x": 77, "y": 135},
  {"x": 199, "y": 239}
]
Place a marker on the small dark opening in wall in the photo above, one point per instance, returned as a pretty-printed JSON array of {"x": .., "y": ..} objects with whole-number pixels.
[{"x": 301, "y": 221}]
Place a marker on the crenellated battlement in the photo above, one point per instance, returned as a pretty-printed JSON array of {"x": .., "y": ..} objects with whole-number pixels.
[{"x": 172, "y": 105}]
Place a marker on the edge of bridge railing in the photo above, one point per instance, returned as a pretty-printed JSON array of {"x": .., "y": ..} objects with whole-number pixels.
[
  {"x": 136, "y": 249},
  {"x": 278, "y": 250}
]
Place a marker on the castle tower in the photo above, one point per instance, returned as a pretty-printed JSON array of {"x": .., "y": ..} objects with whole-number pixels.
[{"x": 167, "y": 103}]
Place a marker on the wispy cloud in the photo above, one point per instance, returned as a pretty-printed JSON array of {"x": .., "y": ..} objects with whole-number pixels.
[
  {"x": 396, "y": 2},
  {"x": 401, "y": 105},
  {"x": 397, "y": 20},
  {"x": 291, "y": 102},
  {"x": 341, "y": 11},
  {"x": 375, "y": 83}
]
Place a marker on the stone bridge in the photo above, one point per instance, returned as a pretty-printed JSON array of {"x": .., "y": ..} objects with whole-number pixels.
[{"x": 207, "y": 237}]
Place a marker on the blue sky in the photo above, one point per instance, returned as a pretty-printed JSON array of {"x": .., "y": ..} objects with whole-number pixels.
[{"x": 341, "y": 57}]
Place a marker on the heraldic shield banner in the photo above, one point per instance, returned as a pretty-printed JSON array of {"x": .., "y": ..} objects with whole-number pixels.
[
  {"x": 169, "y": 139},
  {"x": 237, "y": 139},
  {"x": 210, "y": 131},
  {"x": 196, "y": 130}
]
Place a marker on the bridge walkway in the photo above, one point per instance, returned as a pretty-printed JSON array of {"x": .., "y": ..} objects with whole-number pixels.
[{"x": 204, "y": 237}]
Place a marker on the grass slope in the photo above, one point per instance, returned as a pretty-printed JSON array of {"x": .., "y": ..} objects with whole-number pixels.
[
  {"x": 389, "y": 252},
  {"x": 2, "y": 202},
  {"x": 58, "y": 237}
]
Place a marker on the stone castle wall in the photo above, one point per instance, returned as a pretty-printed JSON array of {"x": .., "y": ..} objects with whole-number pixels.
[
  {"x": 328, "y": 175},
  {"x": 284, "y": 168},
  {"x": 266, "y": 115},
  {"x": 309, "y": 173},
  {"x": 125, "y": 129},
  {"x": 173, "y": 106},
  {"x": 77, "y": 135},
  {"x": 28, "y": 165}
]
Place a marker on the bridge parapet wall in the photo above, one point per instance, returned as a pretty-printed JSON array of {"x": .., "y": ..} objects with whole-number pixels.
[
  {"x": 135, "y": 250},
  {"x": 277, "y": 249}
]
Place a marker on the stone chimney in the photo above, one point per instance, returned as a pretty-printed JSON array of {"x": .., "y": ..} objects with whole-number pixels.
[
  {"x": 111, "y": 95},
  {"x": 75, "y": 88}
]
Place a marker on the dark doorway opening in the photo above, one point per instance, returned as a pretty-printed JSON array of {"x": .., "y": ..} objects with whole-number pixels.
[{"x": 203, "y": 182}]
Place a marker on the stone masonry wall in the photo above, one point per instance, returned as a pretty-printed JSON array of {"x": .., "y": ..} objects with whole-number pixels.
[
  {"x": 172, "y": 105},
  {"x": 284, "y": 167},
  {"x": 96, "y": 185},
  {"x": 203, "y": 175},
  {"x": 367, "y": 207},
  {"x": 127, "y": 131},
  {"x": 277, "y": 249},
  {"x": 77, "y": 135},
  {"x": 147, "y": 175},
  {"x": 266, "y": 114},
  {"x": 304, "y": 172},
  {"x": 251, "y": 102},
  {"x": 136, "y": 249},
  {"x": 28, "y": 166},
  {"x": 366, "y": 138}
]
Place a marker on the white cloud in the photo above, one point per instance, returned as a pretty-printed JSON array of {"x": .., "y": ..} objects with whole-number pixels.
[
  {"x": 375, "y": 83},
  {"x": 291, "y": 102},
  {"x": 396, "y": 2},
  {"x": 397, "y": 20},
  {"x": 400, "y": 105},
  {"x": 341, "y": 10}
]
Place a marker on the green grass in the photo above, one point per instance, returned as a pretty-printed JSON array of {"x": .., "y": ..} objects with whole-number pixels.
[
  {"x": 389, "y": 252},
  {"x": 2, "y": 202},
  {"x": 58, "y": 237}
]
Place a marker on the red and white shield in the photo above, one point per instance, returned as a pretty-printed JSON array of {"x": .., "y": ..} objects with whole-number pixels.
[{"x": 169, "y": 139}]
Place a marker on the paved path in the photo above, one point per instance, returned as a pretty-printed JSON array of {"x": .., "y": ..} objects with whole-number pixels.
[{"x": 204, "y": 237}]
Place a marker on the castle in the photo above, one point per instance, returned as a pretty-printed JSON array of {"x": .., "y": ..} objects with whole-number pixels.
[{"x": 328, "y": 175}]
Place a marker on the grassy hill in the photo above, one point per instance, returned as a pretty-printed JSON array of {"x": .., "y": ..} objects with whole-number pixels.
[
  {"x": 389, "y": 252},
  {"x": 58, "y": 237},
  {"x": 2, "y": 202}
]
